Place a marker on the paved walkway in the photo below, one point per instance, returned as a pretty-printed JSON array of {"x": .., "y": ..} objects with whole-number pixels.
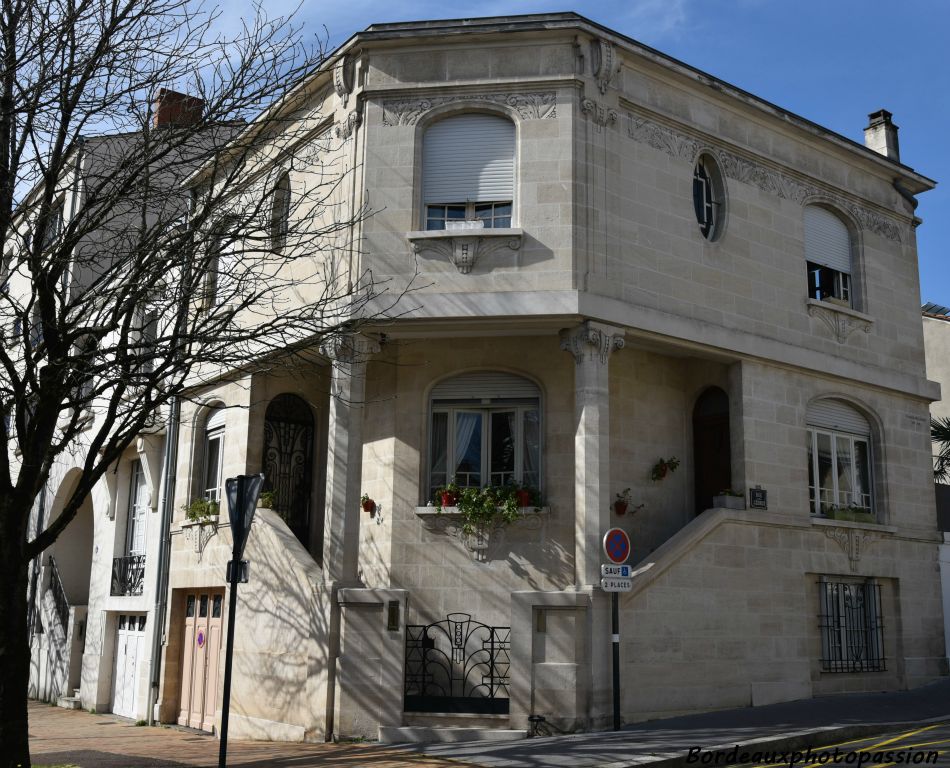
[
  {"x": 59, "y": 736},
  {"x": 75, "y": 738}
]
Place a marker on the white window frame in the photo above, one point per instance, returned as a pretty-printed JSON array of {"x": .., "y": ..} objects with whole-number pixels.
[
  {"x": 825, "y": 255},
  {"x": 214, "y": 434},
  {"x": 138, "y": 512},
  {"x": 840, "y": 498}
]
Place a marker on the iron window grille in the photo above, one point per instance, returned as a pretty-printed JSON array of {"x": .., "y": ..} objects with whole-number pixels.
[{"x": 852, "y": 627}]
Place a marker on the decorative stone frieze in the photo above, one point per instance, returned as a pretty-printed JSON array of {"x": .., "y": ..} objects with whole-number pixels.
[
  {"x": 529, "y": 106},
  {"x": 465, "y": 246},
  {"x": 745, "y": 170},
  {"x": 840, "y": 321},
  {"x": 599, "y": 113},
  {"x": 853, "y": 542},
  {"x": 345, "y": 129}
]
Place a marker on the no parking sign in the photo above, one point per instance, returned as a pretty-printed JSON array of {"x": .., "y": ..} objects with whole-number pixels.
[{"x": 617, "y": 545}]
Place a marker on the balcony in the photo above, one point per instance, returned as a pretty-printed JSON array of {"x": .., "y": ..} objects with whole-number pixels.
[{"x": 128, "y": 575}]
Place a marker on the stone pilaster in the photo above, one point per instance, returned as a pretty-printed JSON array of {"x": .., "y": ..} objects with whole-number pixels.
[
  {"x": 349, "y": 355},
  {"x": 591, "y": 344}
]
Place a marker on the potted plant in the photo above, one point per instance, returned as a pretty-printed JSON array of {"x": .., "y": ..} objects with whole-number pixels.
[
  {"x": 368, "y": 504},
  {"x": 527, "y": 496},
  {"x": 266, "y": 500},
  {"x": 447, "y": 495},
  {"x": 851, "y": 512},
  {"x": 622, "y": 503},
  {"x": 483, "y": 509},
  {"x": 729, "y": 499},
  {"x": 201, "y": 510},
  {"x": 663, "y": 467}
]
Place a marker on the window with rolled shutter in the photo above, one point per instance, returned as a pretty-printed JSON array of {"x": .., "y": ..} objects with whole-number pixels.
[
  {"x": 828, "y": 254},
  {"x": 839, "y": 460},
  {"x": 468, "y": 171}
]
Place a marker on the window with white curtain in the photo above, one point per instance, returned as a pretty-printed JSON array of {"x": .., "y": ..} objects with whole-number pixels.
[
  {"x": 485, "y": 430},
  {"x": 828, "y": 256},
  {"x": 213, "y": 455},
  {"x": 468, "y": 169},
  {"x": 839, "y": 458}
]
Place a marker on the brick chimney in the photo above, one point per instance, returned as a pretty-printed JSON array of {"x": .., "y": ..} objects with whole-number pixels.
[
  {"x": 881, "y": 135},
  {"x": 173, "y": 108}
]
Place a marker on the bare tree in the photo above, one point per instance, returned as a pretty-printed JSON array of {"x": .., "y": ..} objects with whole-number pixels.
[{"x": 151, "y": 241}]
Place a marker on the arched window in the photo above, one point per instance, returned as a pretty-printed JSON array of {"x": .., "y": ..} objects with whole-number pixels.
[
  {"x": 288, "y": 461},
  {"x": 213, "y": 455},
  {"x": 485, "y": 429},
  {"x": 828, "y": 255},
  {"x": 468, "y": 171},
  {"x": 280, "y": 212},
  {"x": 839, "y": 458}
]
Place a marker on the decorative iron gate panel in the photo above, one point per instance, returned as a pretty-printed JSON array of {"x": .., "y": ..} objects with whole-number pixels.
[
  {"x": 288, "y": 461},
  {"x": 457, "y": 665}
]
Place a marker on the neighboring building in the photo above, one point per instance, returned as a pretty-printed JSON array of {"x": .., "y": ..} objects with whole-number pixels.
[
  {"x": 614, "y": 260},
  {"x": 937, "y": 346},
  {"x": 94, "y": 592}
]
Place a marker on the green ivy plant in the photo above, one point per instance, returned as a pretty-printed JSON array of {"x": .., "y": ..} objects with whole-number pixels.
[
  {"x": 484, "y": 509},
  {"x": 201, "y": 510}
]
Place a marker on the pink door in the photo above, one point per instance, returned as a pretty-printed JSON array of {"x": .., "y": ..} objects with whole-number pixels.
[{"x": 201, "y": 648}]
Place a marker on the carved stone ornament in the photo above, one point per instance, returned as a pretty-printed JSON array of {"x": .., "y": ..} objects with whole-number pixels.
[
  {"x": 483, "y": 542},
  {"x": 603, "y": 63},
  {"x": 343, "y": 78},
  {"x": 464, "y": 247},
  {"x": 345, "y": 129},
  {"x": 529, "y": 106},
  {"x": 747, "y": 171},
  {"x": 838, "y": 320},
  {"x": 853, "y": 542},
  {"x": 198, "y": 534},
  {"x": 589, "y": 341},
  {"x": 350, "y": 348},
  {"x": 600, "y": 114}
]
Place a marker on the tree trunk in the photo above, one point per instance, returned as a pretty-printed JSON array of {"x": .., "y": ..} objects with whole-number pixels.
[{"x": 14, "y": 649}]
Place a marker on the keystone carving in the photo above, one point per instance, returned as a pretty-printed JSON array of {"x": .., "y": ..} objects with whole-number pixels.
[
  {"x": 529, "y": 106},
  {"x": 589, "y": 342},
  {"x": 853, "y": 542}
]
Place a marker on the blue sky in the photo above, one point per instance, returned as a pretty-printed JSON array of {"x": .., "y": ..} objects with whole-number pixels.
[{"x": 831, "y": 61}]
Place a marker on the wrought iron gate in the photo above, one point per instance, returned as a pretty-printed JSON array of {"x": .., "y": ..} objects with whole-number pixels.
[{"x": 457, "y": 665}]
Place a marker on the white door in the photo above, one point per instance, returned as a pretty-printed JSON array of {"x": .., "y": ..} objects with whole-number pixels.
[{"x": 129, "y": 650}]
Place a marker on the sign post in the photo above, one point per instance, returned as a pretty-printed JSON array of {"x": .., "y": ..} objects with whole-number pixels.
[
  {"x": 615, "y": 578},
  {"x": 241, "y": 492}
]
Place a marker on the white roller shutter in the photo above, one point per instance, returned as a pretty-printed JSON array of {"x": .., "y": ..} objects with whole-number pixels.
[
  {"x": 215, "y": 419},
  {"x": 827, "y": 241},
  {"x": 485, "y": 385},
  {"x": 838, "y": 416},
  {"x": 469, "y": 158}
]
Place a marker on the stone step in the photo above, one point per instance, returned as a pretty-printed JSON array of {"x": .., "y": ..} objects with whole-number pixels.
[
  {"x": 422, "y": 734},
  {"x": 69, "y": 702}
]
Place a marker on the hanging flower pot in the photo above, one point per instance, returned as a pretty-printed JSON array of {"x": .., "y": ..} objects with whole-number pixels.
[
  {"x": 524, "y": 497},
  {"x": 368, "y": 504},
  {"x": 620, "y": 507},
  {"x": 449, "y": 499}
]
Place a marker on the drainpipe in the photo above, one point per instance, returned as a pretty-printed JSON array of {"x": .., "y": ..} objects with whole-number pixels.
[{"x": 169, "y": 462}]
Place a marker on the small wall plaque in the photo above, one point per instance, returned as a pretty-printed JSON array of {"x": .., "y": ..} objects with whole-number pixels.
[{"x": 758, "y": 498}]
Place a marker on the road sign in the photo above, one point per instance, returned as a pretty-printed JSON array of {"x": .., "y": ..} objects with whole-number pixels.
[
  {"x": 609, "y": 584},
  {"x": 617, "y": 545},
  {"x": 617, "y": 571}
]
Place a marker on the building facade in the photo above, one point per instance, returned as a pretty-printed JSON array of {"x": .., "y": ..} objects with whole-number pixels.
[{"x": 613, "y": 272}]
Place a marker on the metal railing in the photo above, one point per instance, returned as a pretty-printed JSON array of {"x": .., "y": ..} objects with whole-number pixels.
[
  {"x": 128, "y": 575},
  {"x": 59, "y": 595}
]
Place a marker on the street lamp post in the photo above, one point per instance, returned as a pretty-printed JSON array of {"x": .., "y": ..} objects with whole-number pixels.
[{"x": 241, "y": 492}]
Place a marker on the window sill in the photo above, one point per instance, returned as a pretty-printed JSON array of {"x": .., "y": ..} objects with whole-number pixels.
[
  {"x": 832, "y": 523},
  {"x": 463, "y": 247},
  {"x": 452, "y": 512},
  {"x": 842, "y": 321}
]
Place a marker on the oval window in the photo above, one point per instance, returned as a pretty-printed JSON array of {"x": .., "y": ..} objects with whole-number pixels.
[{"x": 709, "y": 196}]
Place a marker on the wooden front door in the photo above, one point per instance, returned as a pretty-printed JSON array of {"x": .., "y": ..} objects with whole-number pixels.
[{"x": 201, "y": 650}]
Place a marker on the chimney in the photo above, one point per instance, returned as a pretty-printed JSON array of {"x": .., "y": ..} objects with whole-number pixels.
[
  {"x": 881, "y": 135},
  {"x": 172, "y": 108}
]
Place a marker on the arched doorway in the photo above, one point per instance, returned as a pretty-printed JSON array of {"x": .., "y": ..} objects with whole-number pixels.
[
  {"x": 712, "y": 460},
  {"x": 288, "y": 461}
]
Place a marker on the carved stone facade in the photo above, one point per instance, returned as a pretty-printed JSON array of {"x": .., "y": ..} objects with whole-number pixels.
[{"x": 528, "y": 106}]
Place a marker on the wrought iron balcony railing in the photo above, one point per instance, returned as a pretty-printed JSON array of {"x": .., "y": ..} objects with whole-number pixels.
[
  {"x": 128, "y": 575},
  {"x": 59, "y": 595}
]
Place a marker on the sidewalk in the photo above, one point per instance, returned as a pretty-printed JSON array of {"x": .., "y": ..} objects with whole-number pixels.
[
  {"x": 59, "y": 736},
  {"x": 665, "y": 742}
]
